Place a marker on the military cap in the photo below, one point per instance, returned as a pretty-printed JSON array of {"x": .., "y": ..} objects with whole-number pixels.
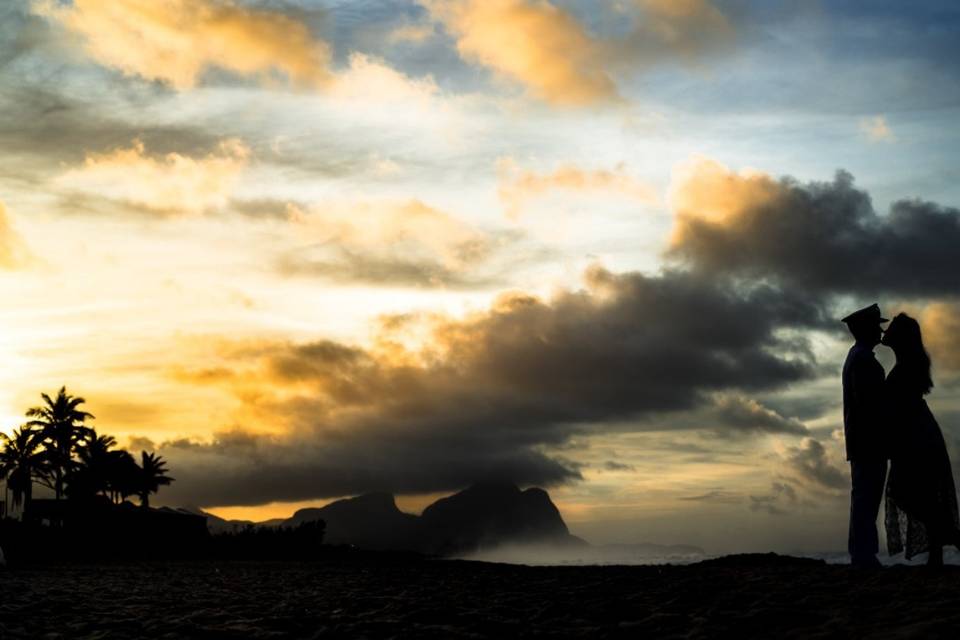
[{"x": 867, "y": 315}]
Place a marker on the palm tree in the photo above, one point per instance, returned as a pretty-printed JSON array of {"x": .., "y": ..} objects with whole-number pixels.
[
  {"x": 153, "y": 474},
  {"x": 124, "y": 475},
  {"x": 20, "y": 461},
  {"x": 61, "y": 428},
  {"x": 96, "y": 464}
]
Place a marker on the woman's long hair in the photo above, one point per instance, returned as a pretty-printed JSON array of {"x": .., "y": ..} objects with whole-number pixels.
[{"x": 903, "y": 336}]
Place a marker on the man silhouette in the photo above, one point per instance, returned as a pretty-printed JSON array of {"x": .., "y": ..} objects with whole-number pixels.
[{"x": 864, "y": 434}]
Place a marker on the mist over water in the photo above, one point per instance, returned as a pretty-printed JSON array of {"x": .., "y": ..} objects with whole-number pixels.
[
  {"x": 652, "y": 554},
  {"x": 614, "y": 554}
]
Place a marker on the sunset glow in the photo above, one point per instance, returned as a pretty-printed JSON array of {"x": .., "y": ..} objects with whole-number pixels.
[{"x": 312, "y": 249}]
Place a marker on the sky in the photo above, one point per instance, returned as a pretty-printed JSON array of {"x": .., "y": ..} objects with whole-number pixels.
[{"x": 308, "y": 249}]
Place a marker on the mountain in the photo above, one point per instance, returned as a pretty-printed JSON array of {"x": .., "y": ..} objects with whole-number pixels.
[
  {"x": 216, "y": 524},
  {"x": 370, "y": 521},
  {"x": 492, "y": 514},
  {"x": 272, "y": 522},
  {"x": 482, "y": 516}
]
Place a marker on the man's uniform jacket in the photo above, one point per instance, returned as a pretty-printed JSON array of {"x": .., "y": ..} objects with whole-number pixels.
[{"x": 863, "y": 415}]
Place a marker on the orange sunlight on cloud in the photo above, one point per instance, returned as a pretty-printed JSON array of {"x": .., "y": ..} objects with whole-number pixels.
[
  {"x": 13, "y": 251},
  {"x": 703, "y": 189},
  {"x": 534, "y": 42},
  {"x": 517, "y": 186},
  {"x": 175, "y": 41},
  {"x": 173, "y": 184}
]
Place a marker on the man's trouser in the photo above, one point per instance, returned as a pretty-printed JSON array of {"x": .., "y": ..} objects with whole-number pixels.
[{"x": 868, "y": 476}]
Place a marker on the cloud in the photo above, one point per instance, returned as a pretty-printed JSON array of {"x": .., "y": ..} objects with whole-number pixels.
[
  {"x": 739, "y": 413},
  {"x": 782, "y": 496},
  {"x": 820, "y": 238},
  {"x": 412, "y": 32},
  {"x": 225, "y": 470},
  {"x": 370, "y": 80},
  {"x": 809, "y": 461},
  {"x": 13, "y": 251},
  {"x": 719, "y": 496},
  {"x": 876, "y": 129},
  {"x": 48, "y": 124},
  {"x": 438, "y": 402},
  {"x": 550, "y": 52},
  {"x": 613, "y": 465},
  {"x": 941, "y": 334},
  {"x": 518, "y": 186},
  {"x": 139, "y": 443},
  {"x": 176, "y": 41},
  {"x": 533, "y": 42},
  {"x": 171, "y": 184},
  {"x": 20, "y": 34},
  {"x": 407, "y": 243}
]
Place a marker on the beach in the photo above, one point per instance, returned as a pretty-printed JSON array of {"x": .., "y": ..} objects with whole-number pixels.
[{"x": 752, "y": 596}]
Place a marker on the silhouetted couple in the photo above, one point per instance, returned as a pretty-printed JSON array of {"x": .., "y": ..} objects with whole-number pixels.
[{"x": 888, "y": 419}]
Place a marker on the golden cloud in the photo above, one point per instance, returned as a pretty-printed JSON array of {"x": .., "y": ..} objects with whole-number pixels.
[
  {"x": 170, "y": 184},
  {"x": 13, "y": 251},
  {"x": 705, "y": 191},
  {"x": 175, "y": 41},
  {"x": 533, "y": 42},
  {"x": 550, "y": 52},
  {"x": 824, "y": 238},
  {"x": 941, "y": 333},
  {"x": 517, "y": 186}
]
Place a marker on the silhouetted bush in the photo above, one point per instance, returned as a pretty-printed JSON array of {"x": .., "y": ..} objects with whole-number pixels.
[{"x": 302, "y": 542}]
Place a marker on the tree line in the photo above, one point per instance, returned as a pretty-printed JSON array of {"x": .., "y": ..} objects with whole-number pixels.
[{"x": 57, "y": 449}]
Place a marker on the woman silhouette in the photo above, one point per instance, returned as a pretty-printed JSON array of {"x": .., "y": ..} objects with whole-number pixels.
[{"x": 921, "y": 503}]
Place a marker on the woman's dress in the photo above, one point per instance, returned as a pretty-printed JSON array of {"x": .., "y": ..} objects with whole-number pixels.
[{"x": 921, "y": 499}]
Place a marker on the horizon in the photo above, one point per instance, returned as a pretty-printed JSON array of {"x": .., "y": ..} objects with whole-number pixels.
[{"x": 308, "y": 250}]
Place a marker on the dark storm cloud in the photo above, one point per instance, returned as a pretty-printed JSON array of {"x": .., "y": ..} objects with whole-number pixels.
[
  {"x": 806, "y": 479},
  {"x": 237, "y": 468},
  {"x": 824, "y": 239},
  {"x": 741, "y": 414},
  {"x": 809, "y": 461},
  {"x": 487, "y": 393},
  {"x": 782, "y": 496}
]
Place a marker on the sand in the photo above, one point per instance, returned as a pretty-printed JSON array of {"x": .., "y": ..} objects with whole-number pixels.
[{"x": 746, "y": 598}]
